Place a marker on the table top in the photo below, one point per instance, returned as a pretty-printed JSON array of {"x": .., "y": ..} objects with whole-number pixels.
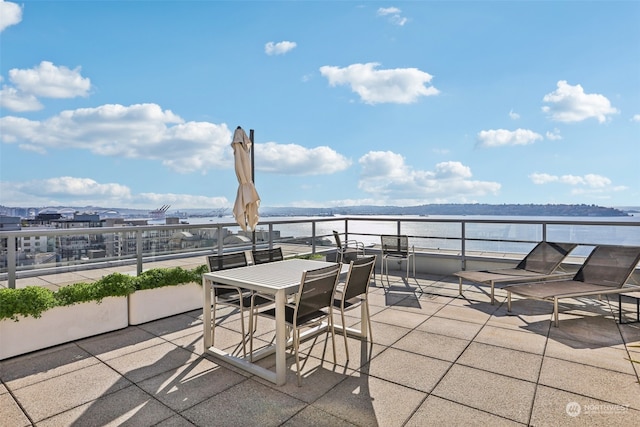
[{"x": 269, "y": 277}]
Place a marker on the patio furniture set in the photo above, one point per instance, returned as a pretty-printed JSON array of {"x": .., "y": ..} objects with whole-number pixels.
[
  {"x": 300, "y": 293},
  {"x": 297, "y": 293}
]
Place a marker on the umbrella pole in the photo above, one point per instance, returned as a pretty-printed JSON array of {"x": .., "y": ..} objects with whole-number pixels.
[{"x": 253, "y": 179}]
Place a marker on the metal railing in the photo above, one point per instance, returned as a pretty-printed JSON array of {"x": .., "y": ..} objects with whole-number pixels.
[{"x": 39, "y": 251}]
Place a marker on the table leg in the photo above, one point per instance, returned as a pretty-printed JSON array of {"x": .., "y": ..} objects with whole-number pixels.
[
  {"x": 364, "y": 332},
  {"x": 206, "y": 313},
  {"x": 281, "y": 339}
]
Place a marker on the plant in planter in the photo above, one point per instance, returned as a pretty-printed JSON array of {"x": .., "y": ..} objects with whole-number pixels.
[
  {"x": 34, "y": 317},
  {"x": 163, "y": 292},
  {"x": 160, "y": 277},
  {"x": 32, "y": 301},
  {"x": 29, "y": 301}
]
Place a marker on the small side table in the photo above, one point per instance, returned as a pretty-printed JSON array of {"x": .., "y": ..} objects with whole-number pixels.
[{"x": 635, "y": 295}]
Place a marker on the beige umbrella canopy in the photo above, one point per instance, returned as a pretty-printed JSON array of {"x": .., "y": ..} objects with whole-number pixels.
[{"x": 245, "y": 210}]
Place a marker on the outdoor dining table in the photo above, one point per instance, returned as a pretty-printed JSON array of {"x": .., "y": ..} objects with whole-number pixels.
[{"x": 279, "y": 278}]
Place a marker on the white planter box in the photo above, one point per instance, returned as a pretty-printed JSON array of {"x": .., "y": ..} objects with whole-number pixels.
[
  {"x": 62, "y": 324},
  {"x": 152, "y": 304}
]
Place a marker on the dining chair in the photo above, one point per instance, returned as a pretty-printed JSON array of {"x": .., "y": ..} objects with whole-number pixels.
[
  {"x": 349, "y": 249},
  {"x": 233, "y": 296},
  {"x": 355, "y": 293},
  {"x": 396, "y": 247},
  {"x": 313, "y": 304},
  {"x": 261, "y": 256}
]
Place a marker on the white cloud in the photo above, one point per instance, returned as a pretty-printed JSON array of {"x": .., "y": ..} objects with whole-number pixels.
[
  {"x": 10, "y": 14},
  {"x": 500, "y": 137},
  {"x": 514, "y": 115},
  {"x": 145, "y": 131},
  {"x": 394, "y": 15},
  {"x": 292, "y": 159},
  {"x": 553, "y": 135},
  {"x": 384, "y": 11},
  {"x": 589, "y": 184},
  {"x": 636, "y": 118},
  {"x": 142, "y": 131},
  {"x": 44, "y": 80},
  {"x": 571, "y": 104},
  {"x": 386, "y": 176},
  {"x": 74, "y": 191},
  {"x": 542, "y": 178},
  {"x": 400, "y": 85},
  {"x": 51, "y": 81},
  {"x": 279, "y": 48},
  {"x": 14, "y": 100}
]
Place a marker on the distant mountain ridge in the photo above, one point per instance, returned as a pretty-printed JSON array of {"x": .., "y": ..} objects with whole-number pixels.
[
  {"x": 431, "y": 209},
  {"x": 457, "y": 209}
]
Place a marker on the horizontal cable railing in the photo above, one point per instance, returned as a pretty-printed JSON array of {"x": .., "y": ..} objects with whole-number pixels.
[{"x": 36, "y": 251}]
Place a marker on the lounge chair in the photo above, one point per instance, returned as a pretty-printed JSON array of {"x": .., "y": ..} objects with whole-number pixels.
[
  {"x": 605, "y": 271},
  {"x": 539, "y": 264}
]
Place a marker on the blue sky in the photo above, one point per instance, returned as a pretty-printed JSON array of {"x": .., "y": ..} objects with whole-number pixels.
[{"x": 134, "y": 103}]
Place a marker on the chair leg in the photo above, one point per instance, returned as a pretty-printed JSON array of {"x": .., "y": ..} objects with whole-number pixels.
[
  {"x": 493, "y": 299},
  {"x": 344, "y": 332},
  {"x": 333, "y": 338},
  {"x": 414, "y": 265},
  {"x": 296, "y": 344},
  {"x": 555, "y": 311},
  {"x": 370, "y": 331}
]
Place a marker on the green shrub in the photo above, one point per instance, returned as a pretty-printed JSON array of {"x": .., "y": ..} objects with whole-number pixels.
[
  {"x": 33, "y": 300},
  {"x": 29, "y": 301},
  {"x": 159, "y": 277},
  {"x": 113, "y": 285}
]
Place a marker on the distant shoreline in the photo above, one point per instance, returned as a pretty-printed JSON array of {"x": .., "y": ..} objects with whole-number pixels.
[{"x": 472, "y": 209}]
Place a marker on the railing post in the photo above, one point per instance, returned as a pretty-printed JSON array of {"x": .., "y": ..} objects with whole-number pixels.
[
  {"x": 463, "y": 246},
  {"x": 313, "y": 237},
  {"x": 346, "y": 229},
  {"x": 544, "y": 231},
  {"x": 270, "y": 236},
  {"x": 220, "y": 239},
  {"x": 139, "y": 251},
  {"x": 11, "y": 261}
]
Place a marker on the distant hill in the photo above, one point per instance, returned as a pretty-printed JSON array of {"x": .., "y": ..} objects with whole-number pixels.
[
  {"x": 454, "y": 209},
  {"x": 549, "y": 210}
]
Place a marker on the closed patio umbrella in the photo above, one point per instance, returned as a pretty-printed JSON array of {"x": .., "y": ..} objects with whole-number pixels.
[{"x": 245, "y": 209}]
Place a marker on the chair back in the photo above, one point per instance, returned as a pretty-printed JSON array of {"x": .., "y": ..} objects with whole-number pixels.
[
  {"x": 336, "y": 236},
  {"x": 609, "y": 265},
  {"x": 545, "y": 257},
  {"x": 395, "y": 245},
  {"x": 225, "y": 262},
  {"x": 359, "y": 277},
  {"x": 261, "y": 256},
  {"x": 316, "y": 291}
]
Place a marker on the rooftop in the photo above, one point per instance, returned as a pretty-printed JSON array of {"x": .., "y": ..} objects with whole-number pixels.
[{"x": 436, "y": 358}]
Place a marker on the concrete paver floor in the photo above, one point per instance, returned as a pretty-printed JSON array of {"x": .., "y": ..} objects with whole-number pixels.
[{"x": 436, "y": 359}]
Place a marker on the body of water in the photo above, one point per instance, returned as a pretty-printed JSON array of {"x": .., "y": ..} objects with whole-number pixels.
[{"x": 510, "y": 238}]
